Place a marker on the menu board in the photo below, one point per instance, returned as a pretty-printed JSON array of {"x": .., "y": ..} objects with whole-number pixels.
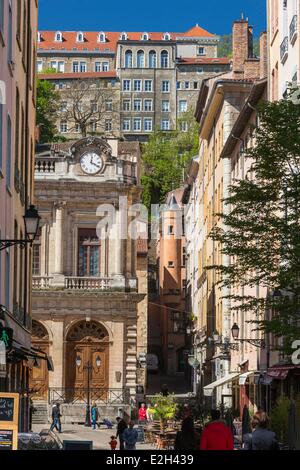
[
  {"x": 6, "y": 439},
  {"x": 7, "y": 408}
]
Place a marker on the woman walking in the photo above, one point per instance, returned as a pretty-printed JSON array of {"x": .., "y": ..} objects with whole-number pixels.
[{"x": 261, "y": 437}]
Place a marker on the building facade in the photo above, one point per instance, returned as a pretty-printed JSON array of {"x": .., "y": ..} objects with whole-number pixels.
[
  {"x": 159, "y": 74},
  {"x": 18, "y": 26},
  {"x": 89, "y": 290}
]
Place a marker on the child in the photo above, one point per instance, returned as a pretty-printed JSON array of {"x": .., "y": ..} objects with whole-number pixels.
[{"x": 113, "y": 443}]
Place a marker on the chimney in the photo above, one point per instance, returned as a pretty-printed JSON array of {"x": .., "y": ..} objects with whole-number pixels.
[
  {"x": 263, "y": 48},
  {"x": 242, "y": 46}
]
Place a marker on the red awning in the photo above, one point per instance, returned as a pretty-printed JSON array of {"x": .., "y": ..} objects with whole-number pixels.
[{"x": 280, "y": 372}]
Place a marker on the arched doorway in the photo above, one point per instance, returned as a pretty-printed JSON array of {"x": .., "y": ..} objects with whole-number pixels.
[
  {"x": 39, "y": 376},
  {"x": 87, "y": 346}
]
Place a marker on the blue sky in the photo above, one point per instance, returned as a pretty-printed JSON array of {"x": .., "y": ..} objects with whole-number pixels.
[{"x": 173, "y": 15}]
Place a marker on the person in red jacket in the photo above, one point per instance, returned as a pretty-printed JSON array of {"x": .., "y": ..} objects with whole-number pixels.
[
  {"x": 216, "y": 435},
  {"x": 142, "y": 414}
]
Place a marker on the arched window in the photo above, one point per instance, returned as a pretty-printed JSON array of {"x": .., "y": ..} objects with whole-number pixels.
[
  {"x": 101, "y": 37},
  {"x": 145, "y": 37},
  {"x": 80, "y": 37},
  {"x": 58, "y": 36},
  {"x": 140, "y": 59},
  {"x": 123, "y": 36},
  {"x": 152, "y": 60},
  {"x": 164, "y": 59},
  {"x": 128, "y": 59},
  {"x": 167, "y": 37}
]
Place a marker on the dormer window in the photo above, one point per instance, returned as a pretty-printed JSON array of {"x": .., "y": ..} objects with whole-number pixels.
[
  {"x": 167, "y": 37},
  {"x": 145, "y": 37},
  {"x": 123, "y": 36},
  {"x": 101, "y": 37},
  {"x": 39, "y": 37},
  {"x": 80, "y": 37},
  {"x": 58, "y": 37}
]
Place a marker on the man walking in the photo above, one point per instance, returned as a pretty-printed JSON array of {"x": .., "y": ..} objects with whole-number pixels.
[
  {"x": 56, "y": 415},
  {"x": 130, "y": 437},
  {"x": 216, "y": 435},
  {"x": 120, "y": 431}
]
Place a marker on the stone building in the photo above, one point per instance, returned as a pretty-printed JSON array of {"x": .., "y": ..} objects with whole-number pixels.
[
  {"x": 18, "y": 25},
  {"x": 89, "y": 293},
  {"x": 159, "y": 74}
]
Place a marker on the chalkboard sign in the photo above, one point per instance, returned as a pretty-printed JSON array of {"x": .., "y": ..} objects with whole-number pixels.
[
  {"x": 7, "y": 409},
  {"x": 6, "y": 439},
  {"x": 77, "y": 445}
]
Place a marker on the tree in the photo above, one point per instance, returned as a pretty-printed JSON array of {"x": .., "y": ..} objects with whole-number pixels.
[
  {"x": 225, "y": 46},
  {"x": 47, "y": 106},
  {"x": 89, "y": 105},
  {"x": 261, "y": 232},
  {"x": 165, "y": 408},
  {"x": 165, "y": 157}
]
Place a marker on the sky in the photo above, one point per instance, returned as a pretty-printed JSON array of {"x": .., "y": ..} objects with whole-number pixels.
[{"x": 161, "y": 15}]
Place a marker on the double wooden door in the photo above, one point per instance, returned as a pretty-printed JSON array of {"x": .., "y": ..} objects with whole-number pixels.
[{"x": 39, "y": 375}]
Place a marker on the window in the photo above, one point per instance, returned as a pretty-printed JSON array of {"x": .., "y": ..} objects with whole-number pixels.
[
  {"x": 140, "y": 59},
  {"x": 137, "y": 85},
  {"x": 178, "y": 85},
  {"x": 63, "y": 127},
  {"x": 94, "y": 106},
  {"x": 105, "y": 66},
  {"x": 123, "y": 36},
  {"x": 80, "y": 37},
  {"x": 137, "y": 124},
  {"x": 39, "y": 36},
  {"x": 108, "y": 125},
  {"x": 101, "y": 37},
  {"x": 63, "y": 106},
  {"x": 145, "y": 37},
  {"x": 201, "y": 50},
  {"x": 97, "y": 66},
  {"x": 77, "y": 128},
  {"x": 61, "y": 66},
  {"x": 93, "y": 126},
  {"x": 39, "y": 66},
  {"x": 108, "y": 105},
  {"x": 166, "y": 37},
  {"x": 152, "y": 59},
  {"x": 186, "y": 85},
  {"x": 7, "y": 279},
  {"x": 165, "y": 106},
  {"x": 200, "y": 70},
  {"x": 148, "y": 104},
  {"x": 183, "y": 125},
  {"x": 82, "y": 66},
  {"x": 58, "y": 37},
  {"x": 164, "y": 59},
  {"x": 75, "y": 67},
  {"x": 88, "y": 253},
  {"x": 170, "y": 264},
  {"x": 148, "y": 85},
  {"x": 148, "y": 124},
  {"x": 126, "y": 124},
  {"x": 128, "y": 59},
  {"x": 8, "y": 153},
  {"x": 195, "y": 85},
  {"x": 126, "y": 85},
  {"x": 126, "y": 105},
  {"x": 165, "y": 125},
  {"x": 36, "y": 256},
  {"x": 171, "y": 230},
  {"x": 165, "y": 86},
  {"x": 137, "y": 105},
  {"x": 182, "y": 106}
]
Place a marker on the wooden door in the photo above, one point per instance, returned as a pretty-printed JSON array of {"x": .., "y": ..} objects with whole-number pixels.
[{"x": 39, "y": 375}]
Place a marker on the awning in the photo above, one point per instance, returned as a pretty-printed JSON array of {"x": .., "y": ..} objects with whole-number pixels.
[
  {"x": 21, "y": 352},
  {"x": 209, "y": 389},
  {"x": 243, "y": 377},
  {"x": 280, "y": 372}
]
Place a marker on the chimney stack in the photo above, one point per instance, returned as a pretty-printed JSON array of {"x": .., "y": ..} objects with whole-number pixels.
[
  {"x": 242, "y": 46},
  {"x": 263, "y": 52}
]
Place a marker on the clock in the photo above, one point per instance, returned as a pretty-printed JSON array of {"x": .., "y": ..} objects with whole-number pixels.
[{"x": 91, "y": 163}]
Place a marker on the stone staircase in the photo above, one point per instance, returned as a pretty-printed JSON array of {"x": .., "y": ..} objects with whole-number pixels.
[{"x": 40, "y": 416}]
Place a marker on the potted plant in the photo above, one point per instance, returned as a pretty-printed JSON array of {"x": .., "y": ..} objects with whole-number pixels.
[{"x": 165, "y": 408}]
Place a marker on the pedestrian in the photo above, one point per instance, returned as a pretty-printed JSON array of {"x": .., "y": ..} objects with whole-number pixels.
[
  {"x": 261, "y": 437},
  {"x": 142, "y": 414},
  {"x": 56, "y": 415},
  {"x": 130, "y": 437},
  {"x": 113, "y": 443},
  {"x": 107, "y": 423},
  {"x": 94, "y": 415},
  {"x": 122, "y": 425},
  {"x": 149, "y": 414},
  {"x": 187, "y": 438},
  {"x": 216, "y": 435}
]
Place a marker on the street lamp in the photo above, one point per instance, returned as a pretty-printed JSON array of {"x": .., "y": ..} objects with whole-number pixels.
[
  {"x": 89, "y": 367},
  {"x": 32, "y": 223},
  {"x": 235, "y": 331}
]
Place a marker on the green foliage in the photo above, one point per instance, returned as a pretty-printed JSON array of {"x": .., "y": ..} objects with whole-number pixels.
[
  {"x": 47, "y": 106},
  {"x": 279, "y": 418},
  {"x": 225, "y": 46},
  {"x": 165, "y": 158},
  {"x": 263, "y": 226},
  {"x": 164, "y": 407}
]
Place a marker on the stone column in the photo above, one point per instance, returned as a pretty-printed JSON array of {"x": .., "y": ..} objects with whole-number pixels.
[
  {"x": 57, "y": 354},
  {"x": 119, "y": 268},
  {"x": 59, "y": 243}
]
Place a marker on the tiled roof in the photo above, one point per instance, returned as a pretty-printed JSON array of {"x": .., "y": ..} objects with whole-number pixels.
[
  {"x": 91, "y": 42},
  {"x": 204, "y": 60},
  {"x": 84, "y": 75}
]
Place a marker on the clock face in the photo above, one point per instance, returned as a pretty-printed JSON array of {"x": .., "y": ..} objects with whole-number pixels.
[{"x": 91, "y": 163}]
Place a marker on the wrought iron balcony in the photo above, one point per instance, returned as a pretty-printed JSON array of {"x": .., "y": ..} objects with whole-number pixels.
[
  {"x": 293, "y": 29},
  {"x": 284, "y": 47},
  {"x": 79, "y": 396}
]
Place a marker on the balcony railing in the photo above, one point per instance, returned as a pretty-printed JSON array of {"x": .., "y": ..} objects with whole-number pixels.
[
  {"x": 101, "y": 396},
  {"x": 43, "y": 165},
  {"x": 41, "y": 282},
  {"x": 293, "y": 29},
  {"x": 284, "y": 47},
  {"x": 88, "y": 283}
]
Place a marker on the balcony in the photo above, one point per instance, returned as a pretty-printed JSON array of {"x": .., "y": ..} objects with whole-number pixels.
[
  {"x": 45, "y": 165},
  {"x": 41, "y": 282},
  {"x": 88, "y": 283},
  {"x": 284, "y": 47},
  {"x": 84, "y": 284},
  {"x": 293, "y": 29}
]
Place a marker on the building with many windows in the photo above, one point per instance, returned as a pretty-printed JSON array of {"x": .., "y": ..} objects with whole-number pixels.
[
  {"x": 158, "y": 74},
  {"x": 18, "y": 25}
]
